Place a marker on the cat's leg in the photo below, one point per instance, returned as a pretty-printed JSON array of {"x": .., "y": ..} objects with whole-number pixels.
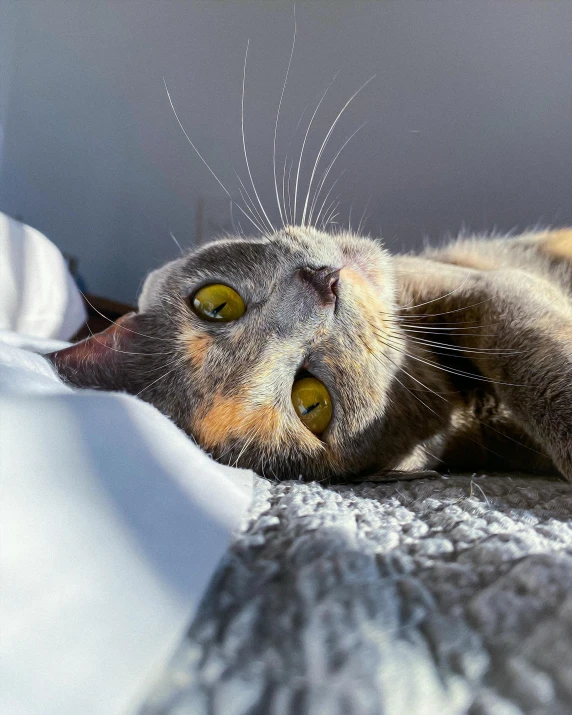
[{"x": 524, "y": 347}]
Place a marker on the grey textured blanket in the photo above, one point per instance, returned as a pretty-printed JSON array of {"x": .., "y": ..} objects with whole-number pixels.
[{"x": 429, "y": 596}]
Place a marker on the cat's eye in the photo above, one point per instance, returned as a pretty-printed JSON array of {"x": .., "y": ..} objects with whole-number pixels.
[
  {"x": 312, "y": 403},
  {"x": 218, "y": 302}
]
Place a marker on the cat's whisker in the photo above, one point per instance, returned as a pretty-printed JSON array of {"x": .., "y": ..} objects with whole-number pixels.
[
  {"x": 250, "y": 205},
  {"x": 363, "y": 217},
  {"x": 176, "y": 242},
  {"x": 326, "y": 139},
  {"x": 304, "y": 144},
  {"x": 440, "y": 396},
  {"x": 198, "y": 153},
  {"x": 465, "y": 351},
  {"x": 125, "y": 352},
  {"x": 288, "y": 214},
  {"x": 271, "y": 227},
  {"x": 282, "y": 217},
  {"x": 398, "y": 367},
  {"x": 123, "y": 327},
  {"x": 289, "y": 195},
  {"x": 326, "y": 173},
  {"x": 325, "y": 199},
  {"x": 450, "y": 370},
  {"x": 245, "y": 446},
  {"x": 436, "y": 328},
  {"x": 330, "y": 211},
  {"x": 331, "y": 221},
  {"x": 287, "y": 219},
  {"x": 447, "y": 312},
  {"x": 435, "y": 300},
  {"x": 162, "y": 377}
]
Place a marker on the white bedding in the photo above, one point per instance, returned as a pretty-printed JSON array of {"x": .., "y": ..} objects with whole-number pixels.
[
  {"x": 112, "y": 523},
  {"x": 38, "y": 296}
]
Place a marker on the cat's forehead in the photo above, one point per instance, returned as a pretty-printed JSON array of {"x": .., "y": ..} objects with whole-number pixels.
[
  {"x": 256, "y": 264},
  {"x": 279, "y": 250}
]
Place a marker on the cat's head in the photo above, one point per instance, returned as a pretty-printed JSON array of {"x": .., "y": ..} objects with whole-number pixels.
[{"x": 274, "y": 353}]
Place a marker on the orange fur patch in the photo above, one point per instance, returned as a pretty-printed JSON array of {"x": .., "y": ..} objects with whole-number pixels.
[
  {"x": 232, "y": 417},
  {"x": 558, "y": 243},
  {"x": 198, "y": 345},
  {"x": 365, "y": 294}
]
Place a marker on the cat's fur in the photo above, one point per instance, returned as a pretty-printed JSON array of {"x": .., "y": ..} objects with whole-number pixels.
[{"x": 460, "y": 357}]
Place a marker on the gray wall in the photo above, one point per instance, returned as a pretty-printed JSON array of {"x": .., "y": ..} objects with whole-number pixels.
[{"x": 469, "y": 119}]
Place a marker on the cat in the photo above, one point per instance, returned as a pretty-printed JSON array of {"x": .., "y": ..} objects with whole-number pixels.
[{"x": 313, "y": 354}]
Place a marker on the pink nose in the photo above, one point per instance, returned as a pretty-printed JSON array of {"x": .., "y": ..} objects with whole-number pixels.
[{"x": 324, "y": 280}]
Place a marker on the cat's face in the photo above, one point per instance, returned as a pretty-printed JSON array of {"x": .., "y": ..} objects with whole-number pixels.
[{"x": 313, "y": 304}]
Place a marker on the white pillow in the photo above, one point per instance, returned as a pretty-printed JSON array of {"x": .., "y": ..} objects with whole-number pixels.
[
  {"x": 113, "y": 522},
  {"x": 38, "y": 296}
]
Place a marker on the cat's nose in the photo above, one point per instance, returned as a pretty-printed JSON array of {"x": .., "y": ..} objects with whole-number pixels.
[{"x": 324, "y": 280}]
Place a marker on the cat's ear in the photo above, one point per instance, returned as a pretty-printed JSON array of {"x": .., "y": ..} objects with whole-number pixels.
[{"x": 103, "y": 360}]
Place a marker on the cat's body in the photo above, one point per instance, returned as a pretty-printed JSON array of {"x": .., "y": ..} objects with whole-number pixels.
[{"x": 460, "y": 357}]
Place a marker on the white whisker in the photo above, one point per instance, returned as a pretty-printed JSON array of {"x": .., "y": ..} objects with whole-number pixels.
[
  {"x": 289, "y": 196},
  {"x": 304, "y": 143},
  {"x": 244, "y": 142},
  {"x": 277, "y": 118},
  {"x": 249, "y": 203},
  {"x": 176, "y": 242},
  {"x": 326, "y": 197},
  {"x": 333, "y": 205},
  {"x": 326, "y": 139},
  {"x": 359, "y": 227},
  {"x": 326, "y": 173},
  {"x": 223, "y": 187}
]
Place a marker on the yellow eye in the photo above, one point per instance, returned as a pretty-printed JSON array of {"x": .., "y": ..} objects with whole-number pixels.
[
  {"x": 218, "y": 302},
  {"x": 312, "y": 403}
]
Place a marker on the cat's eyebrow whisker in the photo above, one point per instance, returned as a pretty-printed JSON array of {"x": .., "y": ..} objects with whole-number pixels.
[
  {"x": 289, "y": 193},
  {"x": 363, "y": 218},
  {"x": 326, "y": 139},
  {"x": 198, "y": 153},
  {"x": 250, "y": 205},
  {"x": 256, "y": 226},
  {"x": 271, "y": 227},
  {"x": 326, "y": 173},
  {"x": 176, "y": 242},
  {"x": 287, "y": 219},
  {"x": 304, "y": 143},
  {"x": 324, "y": 201},
  {"x": 282, "y": 216},
  {"x": 331, "y": 220},
  {"x": 330, "y": 211}
]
